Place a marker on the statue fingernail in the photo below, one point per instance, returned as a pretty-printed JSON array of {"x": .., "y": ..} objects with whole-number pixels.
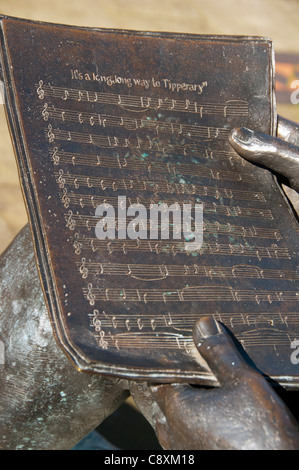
[
  {"x": 243, "y": 135},
  {"x": 207, "y": 327}
]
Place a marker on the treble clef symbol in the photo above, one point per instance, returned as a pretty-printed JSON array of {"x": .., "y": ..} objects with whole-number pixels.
[
  {"x": 70, "y": 221},
  {"x": 55, "y": 157},
  {"x": 40, "y": 92},
  {"x": 77, "y": 245},
  {"x": 90, "y": 295},
  {"x": 45, "y": 113},
  {"x": 65, "y": 199},
  {"x": 50, "y": 135},
  {"x": 96, "y": 320},
  {"x": 102, "y": 343},
  {"x": 83, "y": 269},
  {"x": 60, "y": 179}
]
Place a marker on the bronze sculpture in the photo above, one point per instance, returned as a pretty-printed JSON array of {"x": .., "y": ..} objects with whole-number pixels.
[
  {"x": 183, "y": 405},
  {"x": 39, "y": 385},
  {"x": 44, "y": 386},
  {"x": 95, "y": 129}
]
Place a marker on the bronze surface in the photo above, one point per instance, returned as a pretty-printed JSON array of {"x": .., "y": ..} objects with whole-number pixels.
[{"x": 97, "y": 114}]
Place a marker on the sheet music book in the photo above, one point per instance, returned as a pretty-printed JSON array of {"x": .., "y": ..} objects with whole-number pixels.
[{"x": 109, "y": 124}]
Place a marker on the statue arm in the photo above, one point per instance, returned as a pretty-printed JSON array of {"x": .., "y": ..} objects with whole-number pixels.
[{"x": 45, "y": 403}]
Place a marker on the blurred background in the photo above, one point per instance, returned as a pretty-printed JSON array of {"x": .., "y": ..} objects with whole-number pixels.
[{"x": 277, "y": 19}]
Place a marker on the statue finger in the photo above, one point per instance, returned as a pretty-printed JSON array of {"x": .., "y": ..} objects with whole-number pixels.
[
  {"x": 218, "y": 349},
  {"x": 288, "y": 130},
  {"x": 271, "y": 152}
]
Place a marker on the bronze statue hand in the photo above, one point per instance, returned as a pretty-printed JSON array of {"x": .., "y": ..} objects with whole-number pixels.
[
  {"x": 280, "y": 154},
  {"x": 243, "y": 413}
]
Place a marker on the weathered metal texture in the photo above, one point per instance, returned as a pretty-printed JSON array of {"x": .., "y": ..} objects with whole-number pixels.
[
  {"x": 45, "y": 402},
  {"x": 97, "y": 114}
]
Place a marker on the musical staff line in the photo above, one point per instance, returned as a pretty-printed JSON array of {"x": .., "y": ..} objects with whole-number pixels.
[
  {"x": 145, "y": 163},
  {"x": 171, "y": 341},
  {"x": 83, "y": 200},
  {"x": 121, "y": 331},
  {"x": 178, "y": 321},
  {"x": 112, "y": 142},
  {"x": 174, "y": 247},
  {"x": 142, "y": 103},
  {"x": 138, "y": 144},
  {"x": 149, "y": 272},
  {"x": 188, "y": 294},
  {"x": 127, "y": 184},
  {"x": 138, "y": 340},
  {"x": 133, "y": 124},
  {"x": 89, "y": 222}
]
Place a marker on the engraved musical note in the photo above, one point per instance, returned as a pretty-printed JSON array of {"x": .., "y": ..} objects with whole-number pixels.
[
  {"x": 87, "y": 225},
  {"x": 145, "y": 102},
  {"x": 102, "y": 122},
  {"x": 160, "y": 103},
  {"x": 109, "y": 248},
  {"x": 187, "y": 104},
  {"x": 93, "y": 203},
  {"x": 89, "y": 97},
  {"x": 65, "y": 95},
  {"x": 188, "y": 347}
]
